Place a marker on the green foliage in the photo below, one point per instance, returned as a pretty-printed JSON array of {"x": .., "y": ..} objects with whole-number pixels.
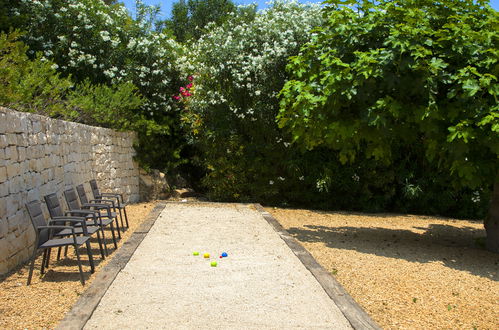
[
  {"x": 35, "y": 86},
  {"x": 29, "y": 85},
  {"x": 238, "y": 69},
  {"x": 112, "y": 107},
  {"x": 101, "y": 44},
  {"x": 383, "y": 77},
  {"x": 191, "y": 18}
]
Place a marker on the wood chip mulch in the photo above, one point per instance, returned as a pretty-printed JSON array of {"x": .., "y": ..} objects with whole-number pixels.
[
  {"x": 45, "y": 302},
  {"x": 406, "y": 271}
]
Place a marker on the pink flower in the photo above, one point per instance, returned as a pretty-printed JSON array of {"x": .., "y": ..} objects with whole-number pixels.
[
  {"x": 182, "y": 89},
  {"x": 191, "y": 78},
  {"x": 189, "y": 86},
  {"x": 176, "y": 97}
]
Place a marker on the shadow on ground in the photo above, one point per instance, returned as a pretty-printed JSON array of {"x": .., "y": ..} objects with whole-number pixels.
[{"x": 452, "y": 246}]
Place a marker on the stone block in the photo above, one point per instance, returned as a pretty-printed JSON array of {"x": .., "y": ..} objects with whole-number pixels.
[
  {"x": 5, "y": 251},
  {"x": 3, "y": 122},
  {"x": 22, "y": 125},
  {"x": 23, "y": 140},
  {"x": 3, "y": 140},
  {"x": 3, "y": 174},
  {"x": 13, "y": 170},
  {"x": 47, "y": 162},
  {"x": 4, "y": 190},
  {"x": 59, "y": 172},
  {"x": 16, "y": 184},
  {"x": 42, "y": 138},
  {"x": 34, "y": 194},
  {"x": 11, "y": 139},
  {"x": 20, "y": 242},
  {"x": 21, "y": 153},
  {"x": 32, "y": 140},
  {"x": 8, "y": 247},
  {"x": 14, "y": 221},
  {"x": 13, "y": 203},
  {"x": 11, "y": 153},
  {"x": 3, "y": 209},
  {"x": 36, "y": 126},
  {"x": 32, "y": 165},
  {"x": 47, "y": 188},
  {"x": 4, "y": 227}
]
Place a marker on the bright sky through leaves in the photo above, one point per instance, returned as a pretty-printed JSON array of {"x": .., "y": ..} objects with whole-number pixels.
[{"x": 166, "y": 5}]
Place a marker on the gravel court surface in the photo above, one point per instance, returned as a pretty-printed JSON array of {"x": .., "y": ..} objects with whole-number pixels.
[{"x": 261, "y": 284}]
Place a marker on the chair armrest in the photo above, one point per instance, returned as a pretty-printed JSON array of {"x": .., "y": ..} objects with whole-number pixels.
[
  {"x": 96, "y": 205},
  {"x": 82, "y": 221},
  {"x": 115, "y": 195},
  {"x": 86, "y": 212},
  {"x": 62, "y": 227},
  {"x": 55, "y": 227},
  {"x": 103, "y": 201},
  {"x": 66, "y": 217}
]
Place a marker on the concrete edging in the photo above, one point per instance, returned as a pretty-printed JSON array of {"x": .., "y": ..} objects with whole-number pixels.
[
  {"x": 352, "y": 311},
  {"x": 84, "y": 307}
]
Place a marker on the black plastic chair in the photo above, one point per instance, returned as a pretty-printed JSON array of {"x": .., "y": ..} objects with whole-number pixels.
[
  {"x": 120, "y": 203},
  {"x": 55, "y": 211},
  {"x": 45, "y": 238},
  {"x": 92, "y": 217},
  {"x": 99, "y": 204},
  {"x": 101, "y": 211}
]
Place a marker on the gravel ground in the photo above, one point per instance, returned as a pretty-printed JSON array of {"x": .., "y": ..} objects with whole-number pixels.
[
  {"x": 260, "y": 285},
  {"x": 45, "y": 302},
  {"x": 406, "y": 271}
]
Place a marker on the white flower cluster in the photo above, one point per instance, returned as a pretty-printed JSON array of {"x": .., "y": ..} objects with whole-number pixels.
[
  {"x": 88, "y": 38},
  {"x": 240, "y": 66}
]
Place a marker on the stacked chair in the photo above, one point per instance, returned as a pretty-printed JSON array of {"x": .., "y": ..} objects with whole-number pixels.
[
  {"x": 120, "y": 204},
  {"x": 74, "y": 227},
  {"x": 57, "y": 233}
]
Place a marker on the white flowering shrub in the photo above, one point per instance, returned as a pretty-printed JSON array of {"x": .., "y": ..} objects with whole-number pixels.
[
  {"x": 89, "y": 39},
  {"x": 239, "y": 68}
]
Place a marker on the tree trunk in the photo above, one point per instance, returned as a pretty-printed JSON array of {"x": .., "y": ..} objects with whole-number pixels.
[{"x": 492, "y": 221}]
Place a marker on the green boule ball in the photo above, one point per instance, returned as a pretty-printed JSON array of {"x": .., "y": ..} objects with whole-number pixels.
[{"x": 213, "y": 264}]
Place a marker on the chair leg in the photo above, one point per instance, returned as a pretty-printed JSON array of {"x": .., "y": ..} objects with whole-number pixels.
[
  {"x": 90, "y": 257},
  {"x": 47, "y": 260},
  {"x": 121, "y": 218},
  {"x": 114, "y": 236},
  {"x": 117, "y": 227},
  {"x": 126, "y": 217},
  {"x": 104, "y": 240},
  {"x": 100, "y": 246},
  {"x": 122, "y": 223},
  {"x": 32, "y": 265},
  {"x": 59, "y": 249},
  {"x": 82, "y": 279},
  {"x": 45, "y": 252}
]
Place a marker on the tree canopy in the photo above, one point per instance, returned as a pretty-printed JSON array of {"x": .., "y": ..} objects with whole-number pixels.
[
  {"x": 190, "y": 18},
  {"x": 417, "y": 73}
]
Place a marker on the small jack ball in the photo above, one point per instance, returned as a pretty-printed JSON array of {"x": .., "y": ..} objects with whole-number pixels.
[
  {"x": 195, "y": 253},
  {"x": 221, "y": 257},
  {"x": 224, "y": 254},
  {"x": 213, "y": 264},
  {"x": 206, "y": 255}
]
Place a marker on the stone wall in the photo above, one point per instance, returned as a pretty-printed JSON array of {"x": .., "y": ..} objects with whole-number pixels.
[{"x": 39, "y": 155}]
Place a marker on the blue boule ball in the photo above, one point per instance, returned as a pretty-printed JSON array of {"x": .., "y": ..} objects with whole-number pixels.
[{"x": 224, "y": 254}]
